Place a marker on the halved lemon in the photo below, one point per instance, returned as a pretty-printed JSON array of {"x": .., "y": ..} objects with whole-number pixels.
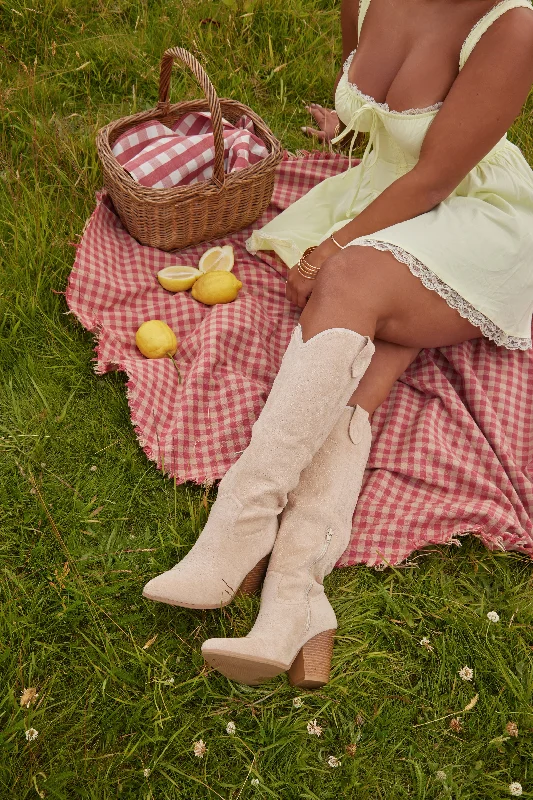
[
  {"x": 178, "y": 278},
  {"x": 220, "y": 259}
]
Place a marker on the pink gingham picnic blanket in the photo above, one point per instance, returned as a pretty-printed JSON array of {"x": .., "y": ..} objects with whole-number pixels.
[
  {"x": 452, "y": 445},
  {"x": 158, "y": 156}
]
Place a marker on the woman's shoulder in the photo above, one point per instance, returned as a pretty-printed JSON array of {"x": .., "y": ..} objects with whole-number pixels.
[{"x": 508, "y": 37}]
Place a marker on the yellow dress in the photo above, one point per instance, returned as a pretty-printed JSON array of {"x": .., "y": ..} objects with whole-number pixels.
[{"x": 475, "y": 249}]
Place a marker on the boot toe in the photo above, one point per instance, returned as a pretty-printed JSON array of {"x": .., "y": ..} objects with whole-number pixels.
[
  {"x": 241, "y": 660},
  {"x": 175, "y": 589}
]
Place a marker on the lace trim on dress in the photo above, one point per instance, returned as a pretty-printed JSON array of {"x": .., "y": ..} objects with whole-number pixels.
[
  {"x": 385, "y": 106},
  {"x": 454, "y": 300}
]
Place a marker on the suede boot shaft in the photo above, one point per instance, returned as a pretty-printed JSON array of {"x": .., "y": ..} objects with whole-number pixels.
[{"x": 314, "y": 532}]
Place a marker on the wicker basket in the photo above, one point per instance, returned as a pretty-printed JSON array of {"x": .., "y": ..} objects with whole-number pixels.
[{"x": 175, "y": 218}]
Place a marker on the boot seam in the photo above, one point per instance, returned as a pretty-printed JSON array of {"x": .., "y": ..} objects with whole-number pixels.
[{"x": 313, "y": 579}]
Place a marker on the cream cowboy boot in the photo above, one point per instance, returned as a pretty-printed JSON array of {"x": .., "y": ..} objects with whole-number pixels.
[
  {"x": 296, "y": 624},
  {"x": 315, "y": 380}
]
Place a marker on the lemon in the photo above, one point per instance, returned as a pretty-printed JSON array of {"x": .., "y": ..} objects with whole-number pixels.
[
  {"x": 216, "y": 287},
  {"x": 178, "y": 278},
  {"x": 155, "y": 339},
  {"x": 220, "y": 259}
]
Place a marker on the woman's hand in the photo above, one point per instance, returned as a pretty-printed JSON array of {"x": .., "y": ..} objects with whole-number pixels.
[
  {"x": 326, "y": 120},
  {"x": 299, "y": 288}
]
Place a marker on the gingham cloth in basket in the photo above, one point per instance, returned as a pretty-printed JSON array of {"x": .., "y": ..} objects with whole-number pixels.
[
  {"x": 158, "y": 156},
  {"x": 453, "y": 444}
]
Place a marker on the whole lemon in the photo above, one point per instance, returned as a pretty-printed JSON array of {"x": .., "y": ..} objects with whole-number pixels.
[
  {"x": 216, "y": 287},
  {"x": 155, "y": 339}
]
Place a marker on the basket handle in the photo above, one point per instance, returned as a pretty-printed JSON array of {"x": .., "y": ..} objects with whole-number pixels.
[{"x": 165, "y": 71}]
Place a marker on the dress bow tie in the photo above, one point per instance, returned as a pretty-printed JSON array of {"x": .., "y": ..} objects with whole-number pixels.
[{"x": 373, "y": 140}]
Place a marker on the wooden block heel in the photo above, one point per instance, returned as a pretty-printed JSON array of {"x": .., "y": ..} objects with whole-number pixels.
[
  {"x": 254, "y": 580},
  {"x": 311, "y": 667}
]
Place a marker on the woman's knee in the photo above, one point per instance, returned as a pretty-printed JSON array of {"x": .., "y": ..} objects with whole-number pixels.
[
  {"x": 350, "y": 280},
  {"x": 346, "y": 272}
]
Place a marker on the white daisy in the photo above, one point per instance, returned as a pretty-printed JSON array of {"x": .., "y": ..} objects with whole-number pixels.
[
  {"x": 333, "y": 762},
  {"x": 313, "y": 729},
  {"x": 466, "y": 673},
  {"x": 297, "y": 702},
  {"x": 493, "y": 616},
  {"x": 515, "y": 789},
  {"x": 147, "y": 772},
  {"x": 231, "y": 728},
  {"x": 31, "y": 734},
  {"x": 440, "y": 775},
  {"x": 255, "y": 781}
]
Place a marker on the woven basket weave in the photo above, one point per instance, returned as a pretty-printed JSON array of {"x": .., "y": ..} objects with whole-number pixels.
[{"x": 171, "y": 219}]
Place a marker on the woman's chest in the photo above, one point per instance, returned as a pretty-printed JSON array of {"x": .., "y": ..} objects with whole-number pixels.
[
  {"x": 408, "y": 53},
  {"x": 398, "y": 136}
]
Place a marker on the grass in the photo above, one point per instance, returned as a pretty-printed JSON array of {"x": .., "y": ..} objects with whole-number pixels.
[{"x": 86, "y": 519}]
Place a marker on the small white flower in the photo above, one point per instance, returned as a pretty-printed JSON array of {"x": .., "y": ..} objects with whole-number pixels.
[
  {"x": 255, "y": 781},
  {"x": 515, "y": 789},
  {"x": 147, "y": 772},
  {"x": 93, "y": 468},
  {"x": 231, "y": 728},
  {"x": 440, "y": 775},
  {"x": 199, "y": 748},
  {"x": 493, "y": 616},
  {"x": 466, "y": 673},
  {"x": 333, "y": 762},
  {"x": 31, "y": 734},
  {"x": 297, "y": 702},
  {"x": 425, "y": 643},
  {"x": 313, "y": 729},
  {"x": 169, "y": 681}
]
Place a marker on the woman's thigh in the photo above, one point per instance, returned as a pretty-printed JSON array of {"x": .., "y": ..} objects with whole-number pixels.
[{"x": 371, "y": 292}]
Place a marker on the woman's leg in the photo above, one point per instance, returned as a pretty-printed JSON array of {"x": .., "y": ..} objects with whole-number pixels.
[
  {"x": 295, "y": 626},
  {"x": 315, "y": 381},
  {"x": 369, "y": 291},
  {"x": 389, "y": 362}
]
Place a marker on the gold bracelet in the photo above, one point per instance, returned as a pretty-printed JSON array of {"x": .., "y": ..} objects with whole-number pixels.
[
  {"x": 306, "y": 269},
  {"x": 336, "y": 242},
  {"x": 304, "y": 274}
]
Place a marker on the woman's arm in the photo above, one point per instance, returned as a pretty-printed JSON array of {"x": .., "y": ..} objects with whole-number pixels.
[
  {"x": 481, "y": 105},
  {"x": 349, "y": 24},
  {"x": 326, "y": 118}
]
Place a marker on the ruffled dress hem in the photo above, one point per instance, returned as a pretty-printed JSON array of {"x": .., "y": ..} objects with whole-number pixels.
[{"x": 431, "y": 281}]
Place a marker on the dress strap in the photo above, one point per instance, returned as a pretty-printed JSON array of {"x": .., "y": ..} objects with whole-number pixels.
[
  {"x": 363, "y": 8},
  {"x": 483, "y": 24}
]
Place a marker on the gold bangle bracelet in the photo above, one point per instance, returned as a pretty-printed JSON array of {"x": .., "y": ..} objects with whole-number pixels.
[
  {"x": 306, "y": 253},
  {"x": 336, "y": 242},
  {"x": 309, "y": 277},
  {"x": 306, "y": 269}
]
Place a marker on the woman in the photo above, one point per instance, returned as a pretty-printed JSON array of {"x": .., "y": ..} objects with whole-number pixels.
[{"x": 427, "y": 243}]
